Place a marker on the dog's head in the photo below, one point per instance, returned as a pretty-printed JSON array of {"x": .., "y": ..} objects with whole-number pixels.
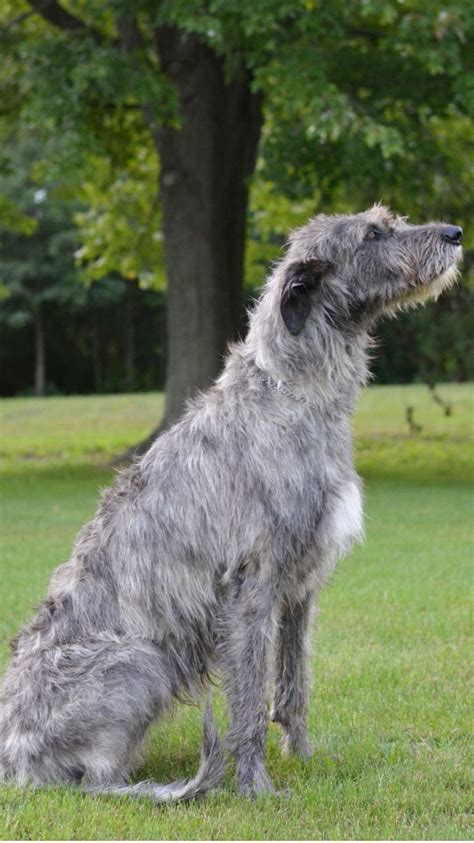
[{"x": 350, "y": 269}]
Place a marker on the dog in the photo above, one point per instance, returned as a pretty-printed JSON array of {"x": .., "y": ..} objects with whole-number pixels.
[{"x": 208, "y": 553}]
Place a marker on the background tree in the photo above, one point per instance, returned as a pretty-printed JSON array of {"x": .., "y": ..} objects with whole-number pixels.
[
  {"x": 45, "y": 271},
  {"x": 350, "y": 102}
]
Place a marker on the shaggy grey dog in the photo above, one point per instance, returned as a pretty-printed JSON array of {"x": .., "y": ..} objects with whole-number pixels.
[{"x": 209, "y": 552}]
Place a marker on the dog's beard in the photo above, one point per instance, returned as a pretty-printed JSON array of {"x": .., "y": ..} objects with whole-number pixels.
[
  {"x": 422, "y": 292},
  {"x": 443, "y": 282}
]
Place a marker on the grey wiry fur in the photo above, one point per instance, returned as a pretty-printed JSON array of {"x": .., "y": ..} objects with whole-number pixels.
[
  {"x": 208, "y": 553},
  {"x": 209, "y": 775}
]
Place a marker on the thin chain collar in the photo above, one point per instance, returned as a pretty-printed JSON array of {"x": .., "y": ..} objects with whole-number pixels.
[{"x": 279, "y": 386}]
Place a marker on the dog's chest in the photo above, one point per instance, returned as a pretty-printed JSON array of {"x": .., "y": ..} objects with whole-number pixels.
[
  {"x": 339, "y": 525},
  {"x": 342, "y": 522}
]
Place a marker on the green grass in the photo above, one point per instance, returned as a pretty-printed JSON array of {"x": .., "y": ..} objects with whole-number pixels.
[
  {"x": 389, "y": 715},
  {"x": 74, "y": 429}
]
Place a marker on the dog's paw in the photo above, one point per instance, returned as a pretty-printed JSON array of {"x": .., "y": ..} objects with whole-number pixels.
[
  {"x": 298, "y": 745},
  {"x": 255, "y": 782}
]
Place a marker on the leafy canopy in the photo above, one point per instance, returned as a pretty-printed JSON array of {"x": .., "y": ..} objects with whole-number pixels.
[{"x": 364, "y": 100}]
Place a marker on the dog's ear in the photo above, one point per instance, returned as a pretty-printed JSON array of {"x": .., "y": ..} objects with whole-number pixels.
[{"x": 301, "y": 279}]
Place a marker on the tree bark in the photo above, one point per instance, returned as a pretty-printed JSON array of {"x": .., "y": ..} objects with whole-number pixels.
[
  {"x": 40, "y": 353},
  {"x": 205, "y": 166},
  {"x": 129, "y": 334},
  {"x": 97, "y": 353}
]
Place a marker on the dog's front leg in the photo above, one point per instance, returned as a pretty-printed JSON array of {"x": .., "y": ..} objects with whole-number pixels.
[
  {"x": 292, "y": 680},
  {"x": 246, "y": 657}
]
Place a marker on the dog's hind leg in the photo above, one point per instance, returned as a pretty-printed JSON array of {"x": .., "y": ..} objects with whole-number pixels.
[
  {"x": 80, "y": 713},
  {"x": 80, "y": 710},
  {"x": 292, "y": 680},
  {"x": 210, "y": 773}
]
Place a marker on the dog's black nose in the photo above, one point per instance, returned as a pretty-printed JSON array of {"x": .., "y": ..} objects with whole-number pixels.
[{"x": 452, "y": 233}]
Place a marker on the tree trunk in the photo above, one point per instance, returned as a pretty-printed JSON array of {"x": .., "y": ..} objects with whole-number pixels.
[
  {"x": 129, "y": 334},
  {"x": 205, "y": 166},
  {"x": 97, "y": 353},
  {"x": 40, "y": 353}
]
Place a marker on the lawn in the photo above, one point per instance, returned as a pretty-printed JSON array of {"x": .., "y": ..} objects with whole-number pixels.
[{"x": 390, "y": 717}]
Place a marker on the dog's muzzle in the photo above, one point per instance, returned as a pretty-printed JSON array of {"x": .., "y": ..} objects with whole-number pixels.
[{"x": 452, "y": 234}]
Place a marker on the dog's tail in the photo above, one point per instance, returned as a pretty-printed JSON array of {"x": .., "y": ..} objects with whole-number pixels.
[{"x": 211, "y": 771}]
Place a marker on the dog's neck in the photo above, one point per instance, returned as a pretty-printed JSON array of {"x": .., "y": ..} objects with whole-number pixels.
[
  {"x": 323, "y": 367},
  {"x": 330, "y": 387},
  {"x": 283, "y": 389}
]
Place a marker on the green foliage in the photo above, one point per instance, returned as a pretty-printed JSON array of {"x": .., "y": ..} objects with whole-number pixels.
[
  {"x": 363, "y": 101},
  {"x": 12, "y": 218},
  {"x": 37, "y": 242},
  {"x": 271, "y": 216},
  {"x": 121, "y": 228},
  {"x": 81, "y": 86},
  {"x": 364, "y": 106}
]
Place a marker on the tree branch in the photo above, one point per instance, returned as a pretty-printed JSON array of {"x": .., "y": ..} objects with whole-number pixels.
[
  {"x": 15, "y": 21},
  {"x": 54, "y": 13},
  {"x": 129, "y": 35}
]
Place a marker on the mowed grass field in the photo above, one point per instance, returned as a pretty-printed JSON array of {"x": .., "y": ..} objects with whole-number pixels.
[{"x": 390, "y": 715}]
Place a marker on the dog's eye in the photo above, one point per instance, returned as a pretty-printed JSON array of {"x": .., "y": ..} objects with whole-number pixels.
[{"x": 374, "y": 233}]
